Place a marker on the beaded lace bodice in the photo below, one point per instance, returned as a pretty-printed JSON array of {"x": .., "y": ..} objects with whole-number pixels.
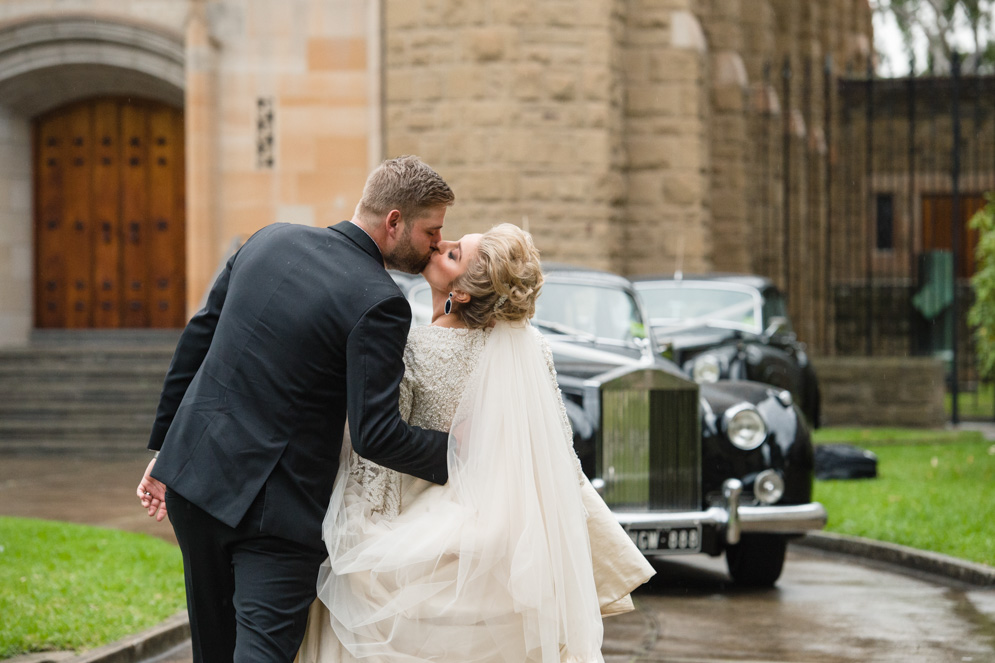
[{"x": 438, "y": 362}]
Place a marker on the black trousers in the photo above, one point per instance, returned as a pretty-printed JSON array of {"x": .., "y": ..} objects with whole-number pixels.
[{"x": 248, "y": 593}]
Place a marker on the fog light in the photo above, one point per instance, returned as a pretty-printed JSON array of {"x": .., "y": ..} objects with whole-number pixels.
[{"x": 768, "y": 487}]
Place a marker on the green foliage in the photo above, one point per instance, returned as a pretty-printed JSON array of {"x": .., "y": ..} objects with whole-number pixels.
[
  {"x": 73, "y": 587},
  {"x": 982, "y": 313},
  {"x": 931, "y": 496}
]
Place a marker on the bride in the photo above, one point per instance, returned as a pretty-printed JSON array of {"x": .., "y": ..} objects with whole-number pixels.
[{"x": 516, "y": 558}]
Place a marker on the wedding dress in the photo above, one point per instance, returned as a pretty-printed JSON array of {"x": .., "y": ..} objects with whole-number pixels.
[{"x": 494, "y": 566}]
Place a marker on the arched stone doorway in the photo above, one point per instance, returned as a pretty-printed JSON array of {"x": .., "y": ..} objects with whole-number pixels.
[
  {"x": 109, "y": 215},
  {"x": 50, "y": 67}
]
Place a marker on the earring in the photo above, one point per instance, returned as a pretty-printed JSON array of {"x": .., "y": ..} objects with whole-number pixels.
[{"x": 449, "y": 304}]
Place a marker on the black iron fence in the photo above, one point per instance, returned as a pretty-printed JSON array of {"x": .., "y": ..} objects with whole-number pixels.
[{"x": 866, "y": 186}]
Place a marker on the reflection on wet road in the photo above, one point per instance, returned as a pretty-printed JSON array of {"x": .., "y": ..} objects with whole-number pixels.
[{"x": 824, "y": 609}]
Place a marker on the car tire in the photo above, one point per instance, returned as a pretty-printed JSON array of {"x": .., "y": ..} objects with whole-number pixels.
[{"x": 757, "y": 560}]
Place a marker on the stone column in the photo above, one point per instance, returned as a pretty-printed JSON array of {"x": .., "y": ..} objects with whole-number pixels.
[
  {"x": 728, "y": 136},
  {"x": 667, "y": 224},
  {"x": 16, "y": 264}
]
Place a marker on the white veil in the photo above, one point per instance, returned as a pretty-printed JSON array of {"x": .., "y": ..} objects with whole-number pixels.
[{"x": 496, "y": 564}]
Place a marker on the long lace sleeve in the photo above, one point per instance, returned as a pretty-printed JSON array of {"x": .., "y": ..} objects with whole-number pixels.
[
  {"x": 407, "y": 394},
  {"x": 382, "y": 486},
  {"x": 568, "y": 433}
]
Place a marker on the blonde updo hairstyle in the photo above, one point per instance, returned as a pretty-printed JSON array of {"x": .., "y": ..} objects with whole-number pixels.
[{"x": 503, "y": 280}]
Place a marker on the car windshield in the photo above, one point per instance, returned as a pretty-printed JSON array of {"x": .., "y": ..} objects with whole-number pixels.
[
  {"x": 590, "y": 311},
  {"x": 685, "y": 306}
]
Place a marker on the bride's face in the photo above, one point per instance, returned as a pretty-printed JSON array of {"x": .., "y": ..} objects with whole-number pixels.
[{"x": 450, "y": 261}]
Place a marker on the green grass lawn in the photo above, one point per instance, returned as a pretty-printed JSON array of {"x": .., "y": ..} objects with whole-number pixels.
[
  {"x": 73, "y": 587},
  {"x": 935, "y": 491}
]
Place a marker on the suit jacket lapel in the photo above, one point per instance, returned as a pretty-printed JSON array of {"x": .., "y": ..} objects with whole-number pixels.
[{"x": 360, "y": 238}]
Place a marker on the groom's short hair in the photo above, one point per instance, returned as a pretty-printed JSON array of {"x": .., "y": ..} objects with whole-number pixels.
[{"x": 406, "y": 184}]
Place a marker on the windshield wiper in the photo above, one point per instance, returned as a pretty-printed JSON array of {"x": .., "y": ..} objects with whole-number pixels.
[{"x": 566, "y": 330}]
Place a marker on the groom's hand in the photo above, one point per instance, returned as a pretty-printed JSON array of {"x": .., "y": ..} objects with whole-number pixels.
[{"x": 152, "y": 494}]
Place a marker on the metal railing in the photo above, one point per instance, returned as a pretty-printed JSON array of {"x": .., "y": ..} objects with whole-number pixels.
[{"x": 865, "y": 187}]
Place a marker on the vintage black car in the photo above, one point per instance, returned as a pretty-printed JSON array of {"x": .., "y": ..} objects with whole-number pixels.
[
  {"x": 686, "y": 468},
  {"x": 730, "y": 327}
]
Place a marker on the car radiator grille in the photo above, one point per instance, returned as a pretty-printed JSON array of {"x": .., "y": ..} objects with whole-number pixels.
[{"x": 649, "y": 448}]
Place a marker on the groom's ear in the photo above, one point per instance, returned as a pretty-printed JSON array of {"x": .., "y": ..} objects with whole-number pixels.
[{"x": 393, "y": 223}]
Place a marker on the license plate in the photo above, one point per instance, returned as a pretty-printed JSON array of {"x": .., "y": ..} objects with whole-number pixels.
[{"x": 667, "y": 540}]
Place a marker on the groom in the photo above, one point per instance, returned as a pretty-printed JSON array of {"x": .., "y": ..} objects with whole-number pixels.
[{"x": 303, "y": 327}]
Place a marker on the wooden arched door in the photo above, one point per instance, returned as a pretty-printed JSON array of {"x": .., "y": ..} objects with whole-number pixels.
[{"x": 110, "y": 216}]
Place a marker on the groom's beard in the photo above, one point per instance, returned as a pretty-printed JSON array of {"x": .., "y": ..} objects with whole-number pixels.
[{"x": 405, "y": 257}]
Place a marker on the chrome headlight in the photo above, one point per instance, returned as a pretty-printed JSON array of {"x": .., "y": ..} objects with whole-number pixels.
[
  {"x": 744, "y": 426},
  {"x": 706, "y": 368}
]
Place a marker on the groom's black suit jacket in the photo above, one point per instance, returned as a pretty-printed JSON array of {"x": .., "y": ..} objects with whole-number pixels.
[{"x": 303, "y": 326}]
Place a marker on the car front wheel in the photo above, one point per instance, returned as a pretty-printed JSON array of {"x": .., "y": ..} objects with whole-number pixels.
[{"x": 757, "y": 560}]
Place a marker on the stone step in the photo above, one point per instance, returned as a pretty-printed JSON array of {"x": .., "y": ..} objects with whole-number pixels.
[
  {"x": 53, "y": 411},
  {"x": 91, "y": 439},
  {"x": 29, "y": 393},
  {"x": 61, "y": 383},
  {"x": 80, "y": 444},
  {"x": 11, "y": 380},
  {"x": 74, "y": 388},
  {"x": 98, "y": 422},
  {"x": 82, "y": 391},
  {"x": 12, "y": 361},
  {"x": 103, "y": 338}
]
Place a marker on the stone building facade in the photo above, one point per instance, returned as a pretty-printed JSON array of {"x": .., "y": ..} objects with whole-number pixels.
[{"x": 623, "y": 133}]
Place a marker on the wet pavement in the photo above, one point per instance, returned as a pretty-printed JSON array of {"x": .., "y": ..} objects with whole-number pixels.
[
  {"x": 92, "y": 490},
  {"x": 824, "y": 609}
]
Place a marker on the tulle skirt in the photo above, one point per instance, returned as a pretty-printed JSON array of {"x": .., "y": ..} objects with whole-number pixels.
[{"x": 495, "y": 566}]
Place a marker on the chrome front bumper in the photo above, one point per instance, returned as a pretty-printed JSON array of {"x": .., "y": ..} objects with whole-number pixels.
[{"x": 731, "y": 517}]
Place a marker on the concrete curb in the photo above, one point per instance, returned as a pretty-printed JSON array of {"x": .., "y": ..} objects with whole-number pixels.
[
  {"x": 141, "y": 646},
  {"x": 920, "y": 561},
  {"x": 132, "y": 649},
  {"x": 175, "y": 630}
]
